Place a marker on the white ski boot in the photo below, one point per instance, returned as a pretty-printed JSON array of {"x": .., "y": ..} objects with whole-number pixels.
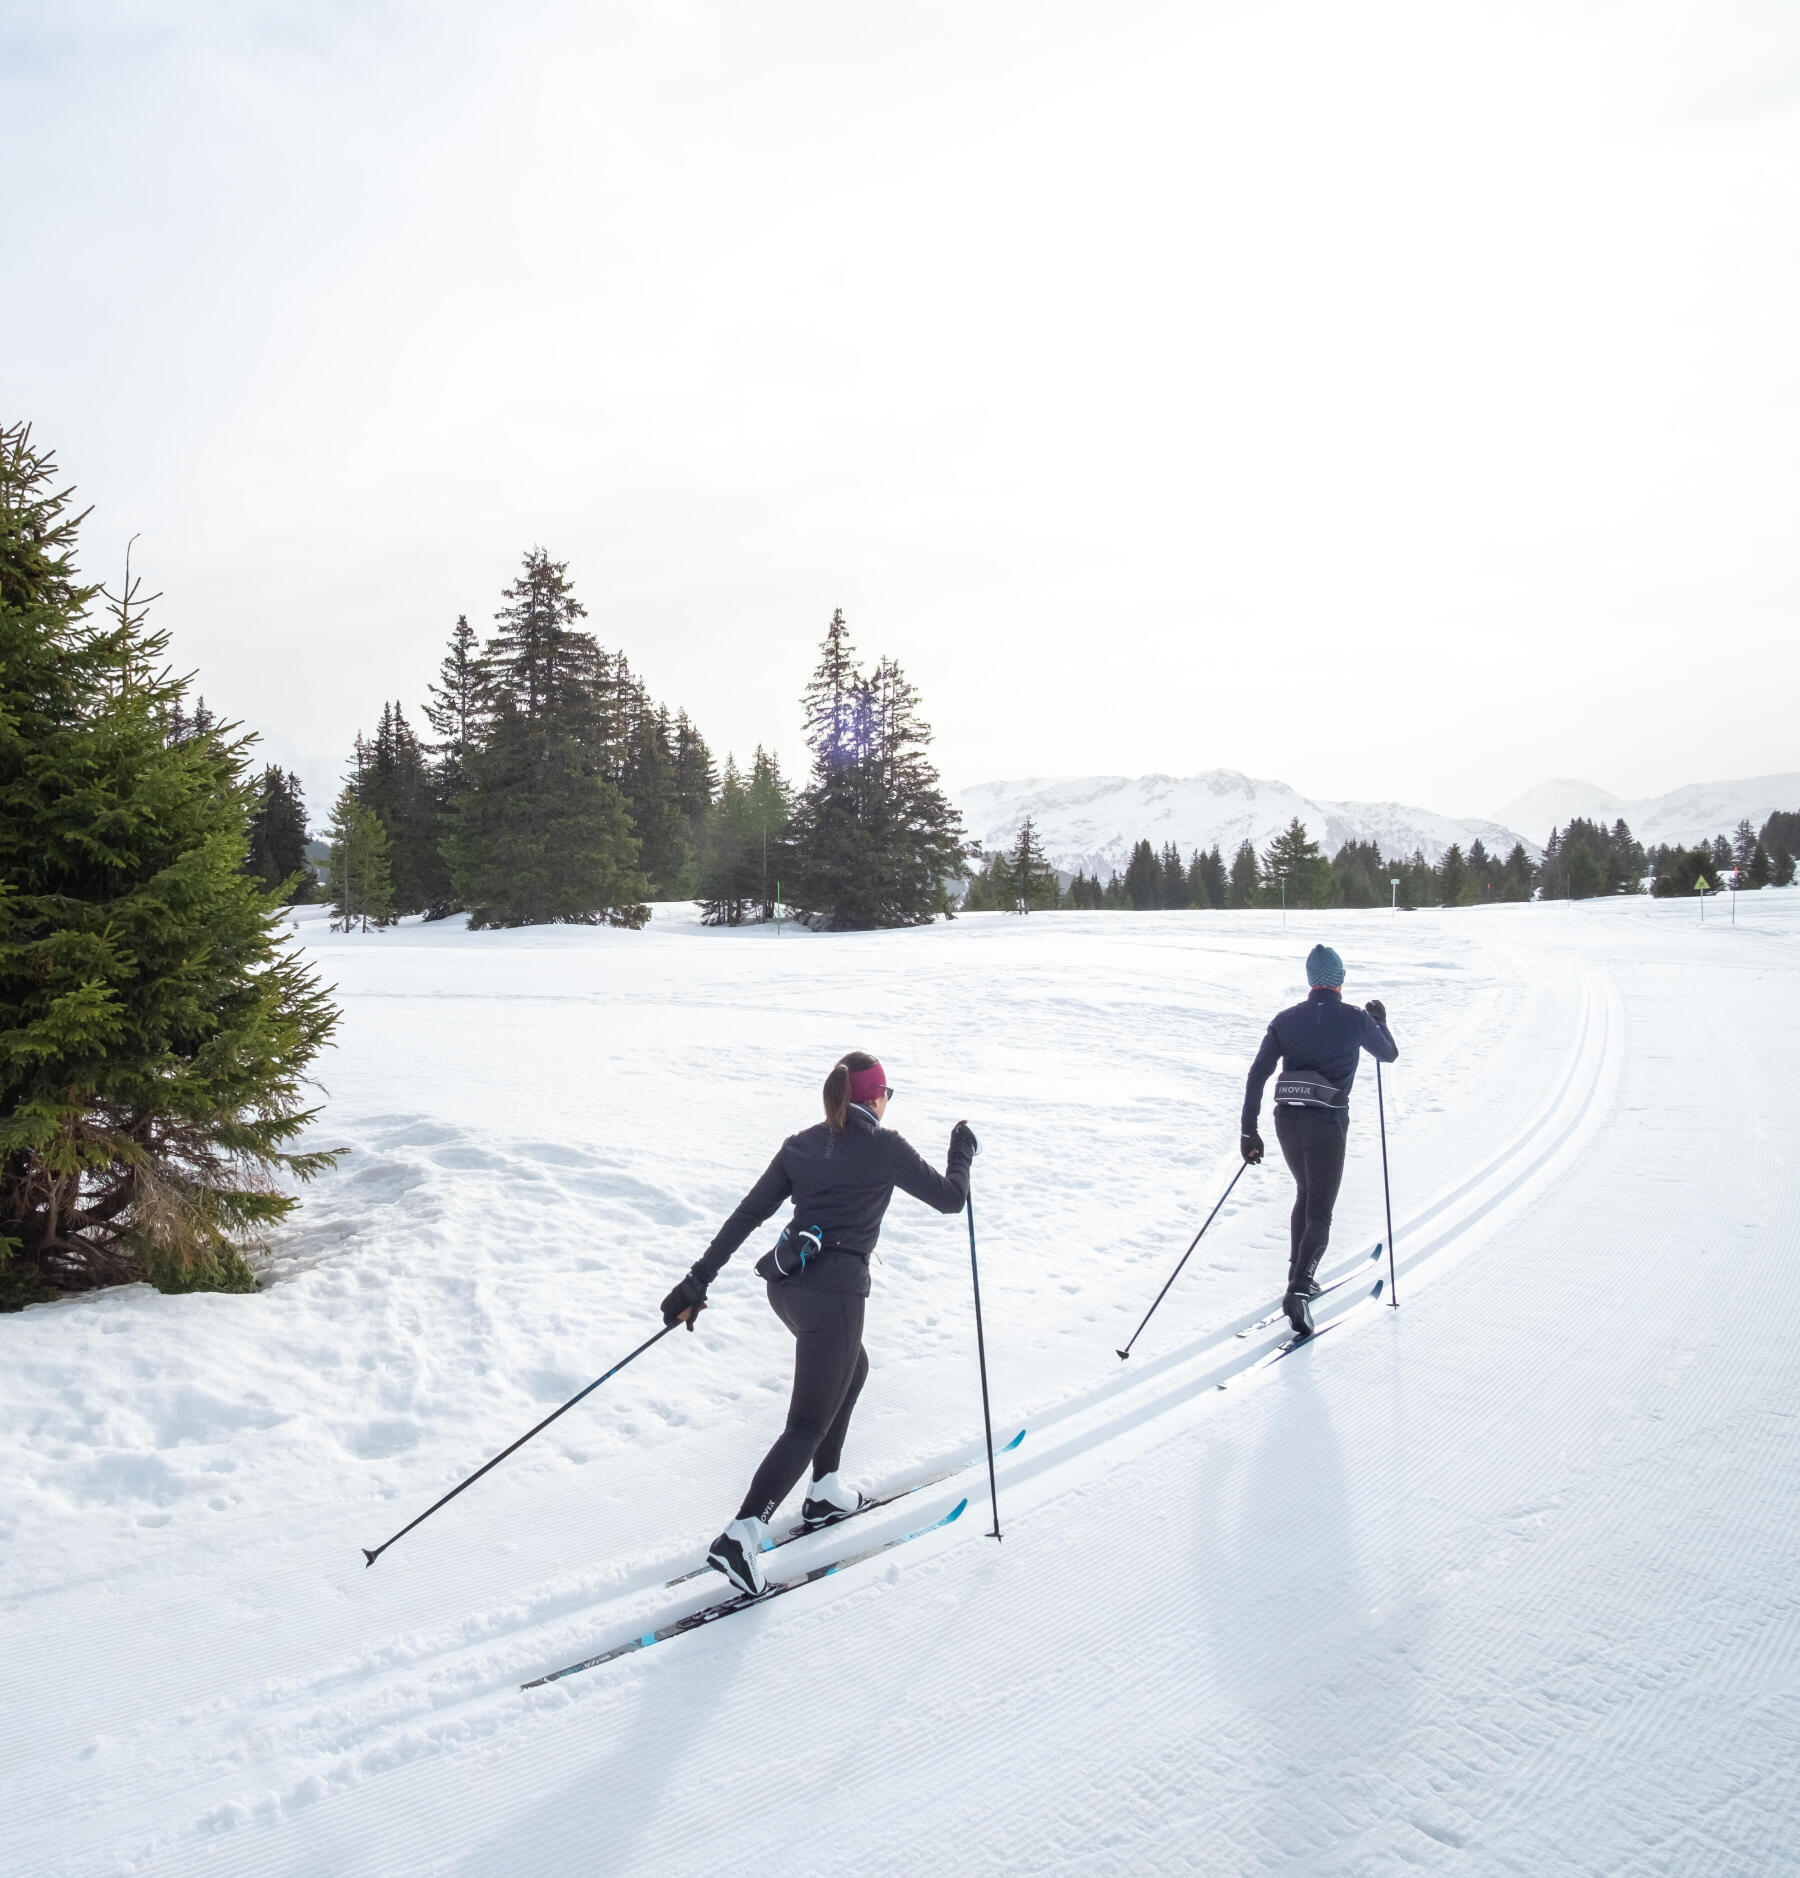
[{"x": 828, "y": 1501}]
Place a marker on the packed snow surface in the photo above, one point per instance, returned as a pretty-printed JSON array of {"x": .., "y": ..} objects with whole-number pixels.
[
  {"x": 1499, "y": 1582},
  {"x": 1093, "y": 822}
]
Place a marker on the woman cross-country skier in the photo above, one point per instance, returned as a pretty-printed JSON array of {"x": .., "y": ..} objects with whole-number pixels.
[
  {"x": 1319, "y": 1044},
  {"x": 840, "y": 1176}
]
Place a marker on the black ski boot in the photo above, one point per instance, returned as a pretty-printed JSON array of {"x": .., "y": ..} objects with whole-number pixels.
[
  {"x": 1299, "y": 1312},
  {"x": 737, "y": 1552}
]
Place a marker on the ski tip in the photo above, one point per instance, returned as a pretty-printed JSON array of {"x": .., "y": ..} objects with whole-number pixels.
[
  {"x": 1379, "y": 1282},
  {"x": 370, "y": 1556},
  {"x": 1377, "y": 1252},
  {"x": 956, "y": 1512},
  {"x": 1014, "y": 1442}
]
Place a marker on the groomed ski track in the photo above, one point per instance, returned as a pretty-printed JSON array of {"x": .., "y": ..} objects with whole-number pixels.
[{"x": 1501, "y": 1581}]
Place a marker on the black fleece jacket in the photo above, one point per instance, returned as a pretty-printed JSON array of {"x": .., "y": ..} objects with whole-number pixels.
[
  {"x": 1323, "y": 1034},
  {"x": 841, "y": 1184}
]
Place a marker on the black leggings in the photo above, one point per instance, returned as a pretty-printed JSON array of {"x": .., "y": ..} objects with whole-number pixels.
[
  {"x": 830, "y": 1368},
  {"x": 1312, "y": 1143}
]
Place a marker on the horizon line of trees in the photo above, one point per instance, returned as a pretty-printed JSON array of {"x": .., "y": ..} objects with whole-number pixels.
[{"x": 1583, "y": 860}]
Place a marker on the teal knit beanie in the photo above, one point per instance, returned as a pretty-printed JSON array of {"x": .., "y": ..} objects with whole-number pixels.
[{"x": 1324, "y": 967}]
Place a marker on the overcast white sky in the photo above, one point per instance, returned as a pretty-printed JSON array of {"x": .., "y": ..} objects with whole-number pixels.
[{"x": 1399, "y": 400}]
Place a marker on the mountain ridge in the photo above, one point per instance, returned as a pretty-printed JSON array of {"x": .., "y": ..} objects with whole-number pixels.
[{"x": 1091, "y": 823}]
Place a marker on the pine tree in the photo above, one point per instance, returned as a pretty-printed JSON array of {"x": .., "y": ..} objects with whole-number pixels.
[
  {"x": 1026, "y": 878},
  {"x": 696, "y": 777},
  {"x": 1244, "y": 884},
  {"x": 876, "y": 842},
  {"x": 540, "y": 830},
  {"x": 1143, "y": 879},
  {"x": 666, "y": 847},
  {"x": 278, "y": 835},
  {"x": 158, "y": 1030},
  {"x": 362, "y": 887},
  {"x": 395, "y": 782},
  {"x": 1294, "y": 856}
]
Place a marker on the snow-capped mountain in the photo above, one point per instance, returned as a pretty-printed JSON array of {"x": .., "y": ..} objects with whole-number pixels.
[
  {"x": 1092, "y": 822},
  {"x": 1695, "y": 812}
]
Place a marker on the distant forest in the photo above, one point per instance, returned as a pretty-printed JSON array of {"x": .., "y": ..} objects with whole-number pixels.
[{"x": 1583, "y": 861}]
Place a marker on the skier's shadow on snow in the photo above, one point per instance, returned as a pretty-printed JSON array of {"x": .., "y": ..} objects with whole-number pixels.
[
  {"x": 603, "y": 1812},
  {"x": 1280, "y": 1573}
]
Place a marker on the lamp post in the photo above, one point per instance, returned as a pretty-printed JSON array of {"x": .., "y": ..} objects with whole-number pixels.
[
  {"x": 1283, "y": 879},
  {"x": 1394, "y": 909}
]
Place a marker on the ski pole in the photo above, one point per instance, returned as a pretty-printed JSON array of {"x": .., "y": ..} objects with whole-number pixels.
[
  {"x": 1387, "y": 1198},
  {"x": 1176, "y": 1273},
  {"x": 545, "y": 1423},
  {"x": 987, "y": 1420}
]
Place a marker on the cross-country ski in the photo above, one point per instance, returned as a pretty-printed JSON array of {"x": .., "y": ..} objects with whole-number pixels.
[
  {"x": 802, "y": 1531},
  {"x": 744, "y": 1600},
  {"x": 1321, "y": 1291}
]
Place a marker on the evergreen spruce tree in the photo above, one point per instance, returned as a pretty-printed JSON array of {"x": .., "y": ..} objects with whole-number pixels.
[
  {"x": 1294, "y": 854},
  {"x": 1212, "y": 888},
  {"x": 875, "y": 841},
  {"x": 395, "y": 782},
  {"x": 1453, "y": 873},
  {"x": 362, "y": 886},
  {"x": 278, "y": 835},
  {"x": 1244, "y": 885},
  {"x": 696, "y": 777},
  {"x": 157, "y": 1030},
  {"x": 1026, "y": 879},
  {"x": 1143, "y": 879},
  {"x": 666, "y": 845},
  {"x": 540, "y": 831}
]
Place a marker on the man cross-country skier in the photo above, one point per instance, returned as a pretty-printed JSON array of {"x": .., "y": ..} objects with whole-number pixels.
[
  {"x": 1319, "y": 1044},
  {"x": 840, "y": 1175}
]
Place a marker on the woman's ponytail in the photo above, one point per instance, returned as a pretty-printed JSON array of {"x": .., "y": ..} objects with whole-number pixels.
[
  {"x": 837, "y": 1087},
  {"x": 837, "y": 1097}
]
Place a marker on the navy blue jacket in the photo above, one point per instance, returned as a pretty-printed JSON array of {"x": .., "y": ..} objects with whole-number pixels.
[
  {"x": 841, "y": 1184},
  {"x": 1323, "y": 1034}
]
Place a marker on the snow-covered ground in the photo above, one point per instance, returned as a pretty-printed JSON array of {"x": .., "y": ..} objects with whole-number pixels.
[{"x": 1500, "y": 1582}]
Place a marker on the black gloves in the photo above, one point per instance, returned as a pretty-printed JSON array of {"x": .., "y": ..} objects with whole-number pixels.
[
  {"x": 688, "y": 1300},
  {"x": 1377, "y": 1010},
  {"x": 1251, "y": 1143},
  {"x": 963, "y": 1136}
]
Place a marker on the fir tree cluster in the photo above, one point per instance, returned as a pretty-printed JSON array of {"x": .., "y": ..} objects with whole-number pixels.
[{"x": 553, "y": 788}]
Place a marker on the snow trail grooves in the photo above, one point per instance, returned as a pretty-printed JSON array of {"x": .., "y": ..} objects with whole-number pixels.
[{"x": 1479, "y": 1589}]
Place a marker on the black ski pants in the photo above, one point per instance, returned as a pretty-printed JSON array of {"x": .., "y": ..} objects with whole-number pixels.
[
  {"x": 830, "y": 1368},
  {"x": 1312, "y": 1144}
]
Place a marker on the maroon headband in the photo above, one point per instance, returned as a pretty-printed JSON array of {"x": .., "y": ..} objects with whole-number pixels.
[{"x": 867, "y": 1084}]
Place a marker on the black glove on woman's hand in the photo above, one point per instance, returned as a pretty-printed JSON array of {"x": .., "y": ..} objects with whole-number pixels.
[
  {"x": 688, "y": 1300},
  {"x": 1377, "y": 1010},
  {"x": 963, "y": 1136},
  {"x": 1251, "y": 1143}
]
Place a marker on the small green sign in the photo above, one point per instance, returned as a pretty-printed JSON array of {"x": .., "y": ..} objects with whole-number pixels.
[{"x": 1702, "y": 885}]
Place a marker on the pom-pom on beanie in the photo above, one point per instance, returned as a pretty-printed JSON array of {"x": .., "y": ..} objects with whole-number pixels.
[{"x": 1324, "y": 967}]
